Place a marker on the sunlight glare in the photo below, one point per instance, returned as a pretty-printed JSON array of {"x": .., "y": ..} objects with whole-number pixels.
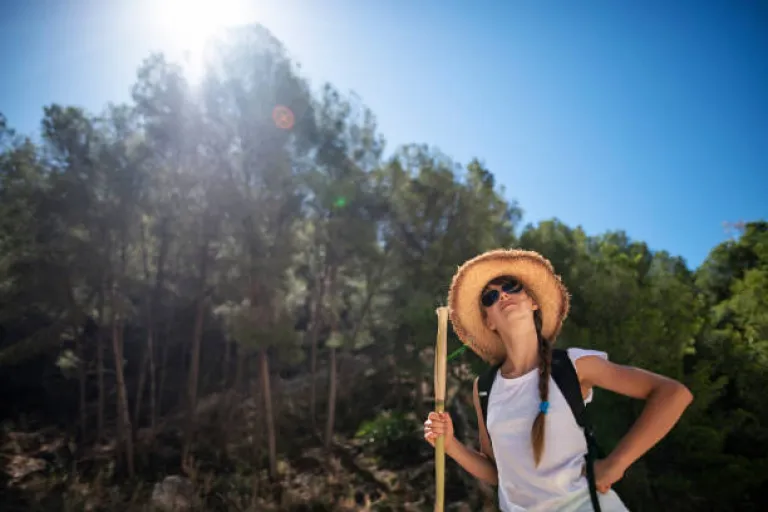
[{"x": 191, "y": 23}]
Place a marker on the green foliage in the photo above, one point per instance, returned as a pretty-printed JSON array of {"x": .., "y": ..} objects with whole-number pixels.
[
  {"x": 68, "y": 363},
  {"x": 384, "y": 427},
  {"x": 392, "y": 432}
]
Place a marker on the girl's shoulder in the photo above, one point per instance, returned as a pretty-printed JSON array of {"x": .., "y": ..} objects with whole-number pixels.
[{"x": 576, "y": 353}]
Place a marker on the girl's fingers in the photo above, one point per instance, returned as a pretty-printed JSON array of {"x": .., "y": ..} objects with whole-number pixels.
[
  {"x": 443, "y": 417},
  {"x": 437, "y": 425}
]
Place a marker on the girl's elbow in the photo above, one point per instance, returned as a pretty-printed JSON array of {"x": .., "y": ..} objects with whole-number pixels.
[
  {"x": 672, "y": 392},
  {"x": 681, "y": 393},
  {"x": 685, "y": 395},
  {"x": 492, "y": 476}
]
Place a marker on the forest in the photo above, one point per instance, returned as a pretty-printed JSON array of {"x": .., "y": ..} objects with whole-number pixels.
[{"x": 221, "y": 296}]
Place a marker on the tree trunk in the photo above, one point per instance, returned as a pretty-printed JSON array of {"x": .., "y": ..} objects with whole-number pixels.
[
  {"x": 256, "y": 446},
  {"x": 331, "y": 416},
  {"x": 163, "y": 368},
  {"x": 194, "y": 366},
  {"x": 169, "y": 325},
  {"x": 118, "y": 333},
  {"x": 330, "y": 420},
  {"x": 152, "y": 382},
  {"x": 81, "y": 367},
  {"x": 100, "y": 363},
  {"x": 140, "y": 386},
  {"x": 395, "y": 371},
  {"x": 226, "y": 364},
  {"x": 147, "y": 367},
  {"x": 241, "y": 375},
  {"x": 269, "y": 415},
  {"x": 373, "y": 286},
  {"x": 419, "y": 406},
  {"x": 315, "y": 320},
  {"x": 242, "y": 360},
  {"x": 194, "y": 370},
  {"x": 77, "y": 320},
  {"x": 148, "y": 361},
  {"x": 124, "y": 422},
  {"x": 155, "y": 308},
  {"x": 145, "y": 359}
]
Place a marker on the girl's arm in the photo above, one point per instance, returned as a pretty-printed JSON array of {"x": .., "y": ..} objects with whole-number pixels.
[
  {"x": 479, "y": 464},
  {"x": 475, "y": 463},
  {"x": 666, "y": 399}
]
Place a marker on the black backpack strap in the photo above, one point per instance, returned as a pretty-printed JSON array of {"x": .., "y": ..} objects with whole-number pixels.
[
  {"x": 484, "y": 384},
  {"x": 564, "y": 374},
  {"x": 566, "y": 378}
]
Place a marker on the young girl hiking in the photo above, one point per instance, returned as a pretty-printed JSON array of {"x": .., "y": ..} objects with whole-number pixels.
[{"x": 509, "y": 306}]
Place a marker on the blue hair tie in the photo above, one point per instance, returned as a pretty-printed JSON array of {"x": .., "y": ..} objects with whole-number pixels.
[{"x": 543, "y": 406}]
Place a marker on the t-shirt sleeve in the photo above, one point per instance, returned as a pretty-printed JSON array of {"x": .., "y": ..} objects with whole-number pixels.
[{"x": 577, "y": 353}]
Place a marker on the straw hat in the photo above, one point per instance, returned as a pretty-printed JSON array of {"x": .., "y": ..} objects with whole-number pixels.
[{"x": 537, "y": 276}]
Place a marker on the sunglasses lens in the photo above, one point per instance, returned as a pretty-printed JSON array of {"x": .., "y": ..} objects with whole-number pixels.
[
  {"x": 512, "y": 286},
  {"x": 490, "y": 297}
]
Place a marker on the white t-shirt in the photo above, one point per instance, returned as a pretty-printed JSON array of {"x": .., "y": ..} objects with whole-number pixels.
[{"x": 557, "y": 484}]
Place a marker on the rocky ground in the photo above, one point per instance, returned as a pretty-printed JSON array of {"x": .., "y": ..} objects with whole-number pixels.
[{"x": 383, "y": 465}]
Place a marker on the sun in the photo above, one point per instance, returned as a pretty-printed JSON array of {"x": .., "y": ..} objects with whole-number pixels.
[{"x": 189, "y": 24}]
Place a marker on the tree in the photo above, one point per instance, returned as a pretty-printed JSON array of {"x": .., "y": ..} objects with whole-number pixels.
[{"x": 255, "y": 179}]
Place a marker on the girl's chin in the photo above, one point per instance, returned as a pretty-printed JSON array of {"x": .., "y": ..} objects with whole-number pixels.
[{"x": 513, "y": 313}]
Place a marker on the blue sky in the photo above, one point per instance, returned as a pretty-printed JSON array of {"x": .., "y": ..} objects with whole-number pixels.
[{"x": 651, "y": 117}]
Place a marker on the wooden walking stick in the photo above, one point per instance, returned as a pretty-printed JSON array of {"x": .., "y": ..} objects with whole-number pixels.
[{"x": 440, "y": 369}]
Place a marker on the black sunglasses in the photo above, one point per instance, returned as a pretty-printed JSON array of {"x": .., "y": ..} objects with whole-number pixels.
[{"x": 510, "y": 286}]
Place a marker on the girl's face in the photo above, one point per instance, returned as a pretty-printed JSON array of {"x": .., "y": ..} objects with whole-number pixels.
[{"x": 506, "y": 301}]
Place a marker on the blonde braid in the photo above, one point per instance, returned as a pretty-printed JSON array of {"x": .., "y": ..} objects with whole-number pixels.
[{"x": 545, "y": 368}]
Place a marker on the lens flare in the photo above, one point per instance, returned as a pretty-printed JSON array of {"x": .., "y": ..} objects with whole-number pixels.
[{"x": 283, "y": 117}]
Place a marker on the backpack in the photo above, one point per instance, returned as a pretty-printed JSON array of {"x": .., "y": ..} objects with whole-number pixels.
[{"x": 564, "y": 375}]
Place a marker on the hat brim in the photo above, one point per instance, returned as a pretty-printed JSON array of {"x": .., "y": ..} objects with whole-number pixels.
[{"x": 539, "y": 279}]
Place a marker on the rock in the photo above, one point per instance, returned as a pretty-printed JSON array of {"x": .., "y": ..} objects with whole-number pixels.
[
  {"x": 175, "y": 493},
  {"x": 21, "y": 466}
]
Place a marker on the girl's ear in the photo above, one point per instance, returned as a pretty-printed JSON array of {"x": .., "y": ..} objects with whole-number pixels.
[{"x": 534, "y": 306}]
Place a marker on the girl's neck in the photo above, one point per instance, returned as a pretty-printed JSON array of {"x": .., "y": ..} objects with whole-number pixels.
[{"x": 522, "y": 346}]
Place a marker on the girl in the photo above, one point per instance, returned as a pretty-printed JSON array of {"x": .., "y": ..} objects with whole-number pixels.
[{"x": 509, "y": 306}]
